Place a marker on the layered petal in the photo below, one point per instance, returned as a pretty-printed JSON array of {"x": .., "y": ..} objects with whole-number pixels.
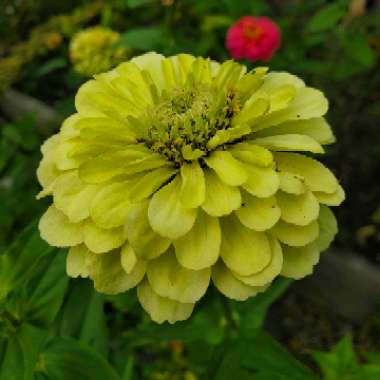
[
  {"x": 166, "y": 214},
  {"x": 162, "y": 309},
  {"x": 230, "y": 286},
  {"x": 109, "y": 276},
  {"x": 298, "y": 209},
  {"x": 56, "y": 228},
  {"x": 270, "y": 272},
  {"x": 299, "y": 262},
  {"x": 221, "y": 199},
  {"x": 259, "y": 214},
  {"x": 295, "y": 236},
  {"x": 170, "y": 280},
  {"x": 146, "y": 243},
  {"x": 100, "y": 240},
  {"x": 77, "y": 261},
  {"x": 200, "y": 247},
  {"x": 317, "y": 177},
  {"x": 243, "y": 250}
]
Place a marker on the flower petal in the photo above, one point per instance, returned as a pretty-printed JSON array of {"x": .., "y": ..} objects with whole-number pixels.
[
  {"x": 166, "y": 214},
  {"x": 97, "y": 99},
  {"x": 230, "y": 171},
  {"x": 292, "y": 183},
  {"x": 169, "y": 279},
  {"x": 262, "y": 182},
  {"x": 230, "y": 286},
  {"x": 128, "y": 258},
  {"x": 221, "y": 199},
  {"x": 100, "y": 240},
  {"x": 58, "y": 231},
  {"x": 316, "y": 128},
  {"x": 47, "y": 172},
  {"x": 149, "y": 183},
  {"x": 193, "y": 189},
  {"x": 77, "y": 261},
  {"x": 298, "y": 209},
  {"x": 307, "y": 104},
  {"x": 162, "y": 309},
  {"x": 111, "y": 205},
  {"x": 73, "y": 197},
  {"x": 146, "y": 243},
  {"x": 252, "y": 154},
  {"x": 259, "y": 214},
  {"x": 109, "y": 276},
  {"x": 289, "y": 142},
  {"x": 328, "y": 228},
  {"x": 334, "y": 199},
  {"x": 199, "y": 248},
  {"x": 243, "y": 250},
  {"x": 295, "y": 236},
  {"x": 272, "y": 270},
  {"x": 317, "y": 176},
  {"x": 299, "y": 262}
]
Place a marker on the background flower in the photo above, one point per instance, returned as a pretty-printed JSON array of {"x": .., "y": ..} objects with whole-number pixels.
[
  {"x": 93, "y": 50},
  {"x": 253, "y": 38}
]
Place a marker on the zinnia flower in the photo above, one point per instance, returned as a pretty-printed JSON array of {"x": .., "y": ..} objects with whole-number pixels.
[
  {"x": 178, "y": 171},
  {"x": 253, "y": 38},
  {"x": 93, "y": 50}
]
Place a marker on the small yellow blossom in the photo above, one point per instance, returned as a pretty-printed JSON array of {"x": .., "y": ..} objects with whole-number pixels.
[{"x": 93, "y": 50}]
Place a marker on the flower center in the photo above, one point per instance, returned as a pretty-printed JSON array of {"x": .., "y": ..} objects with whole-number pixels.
[
  {"x": 187, "y": 118},
  {"x": 252, "y": 32}
]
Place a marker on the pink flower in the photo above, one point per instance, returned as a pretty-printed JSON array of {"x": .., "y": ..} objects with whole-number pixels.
[{"x": 253, "y": 38}]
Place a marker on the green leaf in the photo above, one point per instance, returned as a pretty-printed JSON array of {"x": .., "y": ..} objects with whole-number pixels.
[
  {"x": 260, "y": 358},
  {"x": 326, "y": 18},
  {"x": 45, "y": 294},
  {"x": 22, "y": 353},
  {"x": 83, "y": 316},
  {"x": 19, "y": 261},
  {"x": 66, "y": 359},
  {"x": 251, "y": 313},
  {"x": 142, "y": 38},
  {"x": 340, "y": 363}
]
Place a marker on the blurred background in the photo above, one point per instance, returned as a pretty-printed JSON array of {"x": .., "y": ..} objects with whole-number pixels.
[{"x": 48, "y": 48}]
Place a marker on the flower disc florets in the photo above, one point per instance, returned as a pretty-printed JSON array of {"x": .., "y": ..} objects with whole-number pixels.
[{"x": 178, "y": 171}]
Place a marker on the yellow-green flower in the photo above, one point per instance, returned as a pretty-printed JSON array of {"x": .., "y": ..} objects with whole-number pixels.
[
  {"x": 177, "y": 172},
  {"x": 93, "y": 51}
]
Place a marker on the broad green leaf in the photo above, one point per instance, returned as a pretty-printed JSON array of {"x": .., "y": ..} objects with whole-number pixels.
[
  {"x": 260, "y": 358},
  {"x": 83, "y": 316},
  {"x": 22, "y": 353},
  {"x": 46, "y": 290},
  {"x": 19, "y": 261},
  {"x": 66, "y": 359}
]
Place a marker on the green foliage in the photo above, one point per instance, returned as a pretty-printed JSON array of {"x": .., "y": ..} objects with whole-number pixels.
[
  {"x": 327, "y": 17},
  {"x": 40, "y": 316},
  {"x": 342, "y": 363}
]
